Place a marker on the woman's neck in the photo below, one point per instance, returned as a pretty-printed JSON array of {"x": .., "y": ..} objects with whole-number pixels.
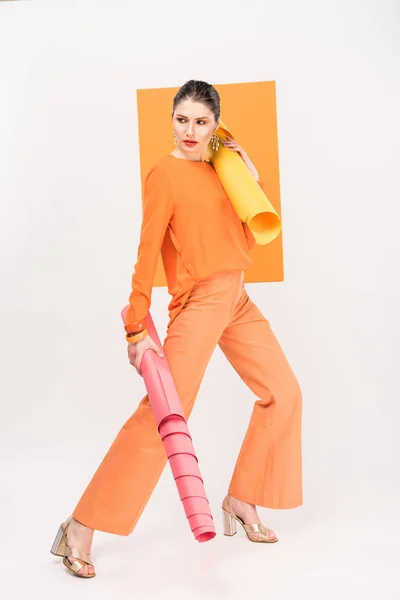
[{"x": 179, "y": 154}]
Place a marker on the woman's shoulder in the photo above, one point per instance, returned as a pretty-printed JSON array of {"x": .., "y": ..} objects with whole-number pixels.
[{"x": 161, "y": 166}]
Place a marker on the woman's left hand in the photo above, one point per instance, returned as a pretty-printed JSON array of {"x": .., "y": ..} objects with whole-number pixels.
[{"x": 234, "y": 146}]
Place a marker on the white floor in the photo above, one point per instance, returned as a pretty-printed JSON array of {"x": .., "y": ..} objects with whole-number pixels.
[{"x": 321, "y": 557}]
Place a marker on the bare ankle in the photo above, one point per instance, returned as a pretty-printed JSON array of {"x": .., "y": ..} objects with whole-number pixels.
[
  {"x": 78, "y": 525},
  {"x": 241, "y": 501}
]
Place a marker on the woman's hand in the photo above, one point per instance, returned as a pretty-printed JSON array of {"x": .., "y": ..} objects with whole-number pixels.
[
  {"x": 234, "y": 146},
  {"x": 136, "y": 351}
]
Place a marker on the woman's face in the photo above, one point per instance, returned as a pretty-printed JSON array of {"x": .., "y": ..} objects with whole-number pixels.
[{"x": 193, "y": 122}]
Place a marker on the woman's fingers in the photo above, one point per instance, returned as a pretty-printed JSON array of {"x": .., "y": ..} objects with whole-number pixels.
[
  {"x": 137, "y": 366},
  {"x": 136, "y": 352},
  {"x": 156, "y": 349},
  {"x": 232, "y": 145},
  {"x": 138, "y": 360},
  {"x": 131, "y": 353},
  {"x": 134, "y": 356},
  {"x": 150, "y": 343}
]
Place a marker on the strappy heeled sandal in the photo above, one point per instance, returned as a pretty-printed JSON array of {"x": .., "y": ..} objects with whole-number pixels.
[
  {"x": 256, "y": 532},
  {"x": 61, "y": 548}
]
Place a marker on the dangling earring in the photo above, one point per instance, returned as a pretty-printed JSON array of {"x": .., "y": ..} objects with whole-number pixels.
[
  {"x": 215, "y": 142},
  {"x": 174, "y": 136}
]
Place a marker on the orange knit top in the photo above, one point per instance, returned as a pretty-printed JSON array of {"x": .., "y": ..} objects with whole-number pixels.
[{"x": 188, "y": 217}]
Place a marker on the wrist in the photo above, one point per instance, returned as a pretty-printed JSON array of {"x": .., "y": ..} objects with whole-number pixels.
[{"x": 136, "y": 327}]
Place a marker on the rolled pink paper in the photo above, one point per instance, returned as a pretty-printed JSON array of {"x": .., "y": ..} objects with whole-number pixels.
[
  {"x": 185, "y": 444},
  {"x": 175, "y": 425},
  {"x": 183, "y": 464},
  {"x": 189, "y": 486},
  {"x": 174, "y": 432}
]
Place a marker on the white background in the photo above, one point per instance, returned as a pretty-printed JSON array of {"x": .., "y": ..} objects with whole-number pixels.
[{"x": 70, "y": 217}]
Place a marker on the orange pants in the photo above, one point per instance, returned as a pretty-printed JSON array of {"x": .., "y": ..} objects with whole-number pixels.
[{"x": 268, "y": 468}]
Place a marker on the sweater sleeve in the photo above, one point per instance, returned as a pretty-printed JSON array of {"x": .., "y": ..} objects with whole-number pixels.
[
  {"x": 250, "y": 239},
  {"x": 157, "y": 212}
]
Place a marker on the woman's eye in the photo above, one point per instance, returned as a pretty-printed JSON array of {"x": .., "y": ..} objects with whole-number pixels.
[{"x": 182, "y": 120}]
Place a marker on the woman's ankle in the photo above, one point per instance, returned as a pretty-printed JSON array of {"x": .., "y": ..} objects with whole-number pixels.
[
  {"x": 238, "y": 500},
  {"x": 79, "y": 525}
]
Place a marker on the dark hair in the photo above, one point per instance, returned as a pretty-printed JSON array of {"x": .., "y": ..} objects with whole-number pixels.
[{"x": 199, "y": 91}]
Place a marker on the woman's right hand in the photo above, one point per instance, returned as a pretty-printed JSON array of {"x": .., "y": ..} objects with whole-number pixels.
[{"x": 136, "y": 351}]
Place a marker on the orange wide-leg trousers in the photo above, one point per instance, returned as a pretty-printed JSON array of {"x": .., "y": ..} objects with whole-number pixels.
[{"x": 268, "y": 470}]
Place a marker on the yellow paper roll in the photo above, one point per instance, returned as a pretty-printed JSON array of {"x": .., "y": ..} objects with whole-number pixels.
[{"x": 247, "y": 197}]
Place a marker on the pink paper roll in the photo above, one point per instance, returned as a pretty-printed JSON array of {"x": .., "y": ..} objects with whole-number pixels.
[
  {"x": 189, "y": 486},
  {"x": 183, "y": 464},
  {"x": 185, "y": 444},
  {"x": 175, "y": 425},
  {"x": 174, "y": 432}
]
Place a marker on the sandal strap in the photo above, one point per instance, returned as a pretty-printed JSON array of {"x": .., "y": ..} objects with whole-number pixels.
[
  {"x": 79, "y": 554},
  {"x": 259, "y": 529},
  {"x": 75, "y": 566},
  {"x": 252, "y": 527}
]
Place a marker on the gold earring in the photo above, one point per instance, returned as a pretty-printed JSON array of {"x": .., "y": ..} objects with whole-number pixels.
[
  {"x": 215, "y": 142},
  {"x": 174, "y": 136}
]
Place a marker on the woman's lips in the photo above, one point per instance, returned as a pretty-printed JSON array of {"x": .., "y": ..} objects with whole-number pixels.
[{"x": 188, "y": 143}]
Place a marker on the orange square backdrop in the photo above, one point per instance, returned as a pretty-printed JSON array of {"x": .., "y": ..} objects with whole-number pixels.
[{"x": 249, "y": 111}]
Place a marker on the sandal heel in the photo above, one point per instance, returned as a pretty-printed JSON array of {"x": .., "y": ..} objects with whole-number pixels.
[
  {"x": 58, "y": 547},
  {"x": 230, "y": 526}
]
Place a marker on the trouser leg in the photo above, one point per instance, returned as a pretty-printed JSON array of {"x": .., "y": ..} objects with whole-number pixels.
[
  {"x": 268, "y": 470},
  {"x": 123, "y": 483}
]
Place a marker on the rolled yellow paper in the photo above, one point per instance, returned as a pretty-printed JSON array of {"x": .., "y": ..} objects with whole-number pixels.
[{"x": 248, "y": 199}]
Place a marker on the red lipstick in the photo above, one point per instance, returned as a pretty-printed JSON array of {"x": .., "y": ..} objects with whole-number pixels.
[{"x": 190, "y": 143}]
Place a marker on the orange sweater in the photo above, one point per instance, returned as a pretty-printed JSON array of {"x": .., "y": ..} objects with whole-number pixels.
[{"x": 190, "y": 219}]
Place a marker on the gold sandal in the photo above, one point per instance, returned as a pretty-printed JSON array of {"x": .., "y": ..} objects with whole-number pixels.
[
  {"x": 251, "y": 529},
  {"x": 61, "y": 548}
]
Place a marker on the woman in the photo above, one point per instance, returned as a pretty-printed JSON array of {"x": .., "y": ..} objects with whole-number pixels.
[{"x": 205, "y": 250}]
